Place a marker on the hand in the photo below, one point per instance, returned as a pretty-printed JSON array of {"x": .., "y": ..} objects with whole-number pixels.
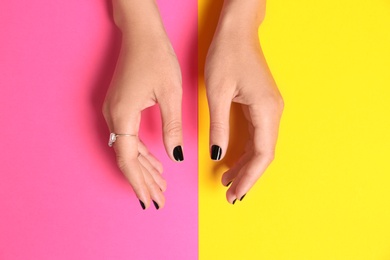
[
  {"x": 236, "y": 71},
  {"x": 147, "y": 73}
]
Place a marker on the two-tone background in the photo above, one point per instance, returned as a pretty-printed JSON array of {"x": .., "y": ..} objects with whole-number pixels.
[{"x": 326, "y": 196}]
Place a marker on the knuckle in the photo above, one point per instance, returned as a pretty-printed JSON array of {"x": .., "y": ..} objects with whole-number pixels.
[
  {"x": 121, "y": 162},
  {"x": 119, "y": 112},
  {"x": 280, "y": 102},
  {"x": 163, "y": 185},
  {"x": 214, "y": 88},
  {"x": 218, "y": 127},
  {"x": 267, "y": 156},
  {"x": 114, "y": 111},
  {"x": 152, "y": 185},
  {"x": 171, "y": 89},
  {"x": 173, "y": 128},
  {"x": 159, "y": 167},
  {"x": 105, "y": 111},
  {"x": 277, "y": 103}
]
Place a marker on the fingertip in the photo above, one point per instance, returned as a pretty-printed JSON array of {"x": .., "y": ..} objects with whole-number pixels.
[
  {"x": 159, "y": 205},
  {"x": 156, "y": 205},
  {"x": 142, "y": 204},
  {"x": 230, "y": 196},
  {"x": 226, "y": 180},
  {"x": 158, "y": 200},
  {"x": 163, "y": 185},
  {"x": 159, "y": 167}
]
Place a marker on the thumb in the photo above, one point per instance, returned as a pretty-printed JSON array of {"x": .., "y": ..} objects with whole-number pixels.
[
  {"x": 219, "y": 107},
  {"x": 172, "y": 126}
]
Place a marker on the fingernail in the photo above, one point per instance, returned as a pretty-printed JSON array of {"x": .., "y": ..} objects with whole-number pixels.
[
  {"x": 234, "y": 201},
  {"x": 216, "y": 152},
  {"x": 227, "y": 185},
  {"x": 178, "y": 154},
  {"x": 242, "y": 197},
  {"x": 142, "y": 204},
  {"x": 156, "y": 205}
]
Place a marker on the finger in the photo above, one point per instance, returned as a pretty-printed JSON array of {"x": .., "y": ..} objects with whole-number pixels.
[
  {"x": 126, "y": 155},
  {"x": 219, "y": 108},
  {"x": 170, "y": 106},
  {"x": 265, "y": 130},
  {"x": 153, "y": 172},
  {"x": 247, "y": 177},
  {"x": 232, "y": 173},
  {"x": 265, "y": 123},
  {"x": 154, "y": 189},
  {"x": 152, "y": 160}
]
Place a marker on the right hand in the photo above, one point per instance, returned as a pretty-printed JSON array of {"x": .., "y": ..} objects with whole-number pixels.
[{"x": 147, "y": 73}]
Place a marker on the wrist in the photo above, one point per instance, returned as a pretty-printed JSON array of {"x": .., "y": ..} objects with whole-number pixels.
[
  {"x": 137, "y": 17},
  {"x": 241, "y": 17}
]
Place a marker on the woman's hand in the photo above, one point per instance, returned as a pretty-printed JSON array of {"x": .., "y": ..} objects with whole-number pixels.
[
  {"x": 147, "y": 73},
  {"x": 236, "y": 71}
]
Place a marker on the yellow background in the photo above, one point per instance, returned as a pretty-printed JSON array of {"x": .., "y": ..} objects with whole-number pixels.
[{"x": 327, "y": 194}]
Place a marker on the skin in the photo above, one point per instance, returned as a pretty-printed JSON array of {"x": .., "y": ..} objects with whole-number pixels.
[
  {"x": 236, "y": 71},
  {"x": 148, "y": 73}
]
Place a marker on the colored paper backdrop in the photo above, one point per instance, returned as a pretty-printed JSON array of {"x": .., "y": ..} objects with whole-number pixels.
[
  {"x": 61, "y": 194},
  {"x": 326, "y": 196}
]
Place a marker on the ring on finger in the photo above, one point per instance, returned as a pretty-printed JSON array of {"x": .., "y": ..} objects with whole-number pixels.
[{"x": 114, "y": 136}]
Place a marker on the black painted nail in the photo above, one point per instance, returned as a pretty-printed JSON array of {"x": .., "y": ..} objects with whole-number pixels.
[
  {"x": 216, "y": 152},
  {"x": 178, "y": 154},
  {"x": 156, "y": 205},
  {"x": 234, "y": 201},
  {"x": 142, "y": 204},
  {"x": 227, "y": 185},
  {"x": 242, "y": 197}
]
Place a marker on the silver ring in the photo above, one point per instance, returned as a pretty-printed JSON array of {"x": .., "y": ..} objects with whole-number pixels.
[{"x": 113, "y": 137}]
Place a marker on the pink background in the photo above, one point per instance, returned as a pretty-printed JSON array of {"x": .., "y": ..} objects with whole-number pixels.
[{"x": 61, "y": 195}]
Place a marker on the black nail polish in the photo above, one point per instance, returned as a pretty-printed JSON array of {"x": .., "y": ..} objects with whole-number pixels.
[
  {"x": 227, "y": 185},
  {"x": 216, "y": 152},
  {"x": 156, "y": 205},
  {"x": 242, "y": 197},
  {"x": 234, "y": 201},
  {"x": 142, "y": 204},
  {"x": 178, "y": 154}
]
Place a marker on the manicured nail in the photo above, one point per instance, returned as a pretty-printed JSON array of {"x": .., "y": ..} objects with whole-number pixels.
[
  {"x": 234, "y": 201},
  {"x": 227, "y": 185},
  {"x": 156, "y": 205},
  {"x": 178, "y": 154},
  {"x": 242, "y": 197},
  {"x": 216, "y": 152},
  {"x": 142, "y": 204}
]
